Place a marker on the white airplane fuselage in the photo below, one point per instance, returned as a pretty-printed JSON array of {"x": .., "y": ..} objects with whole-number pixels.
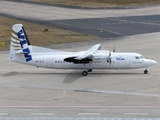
[{"x": 119, "y": 60}]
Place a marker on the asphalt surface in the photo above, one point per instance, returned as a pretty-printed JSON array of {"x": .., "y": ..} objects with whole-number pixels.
[
  {"x": 108, "y": 27},
  {"x": 111, "y": 27}
]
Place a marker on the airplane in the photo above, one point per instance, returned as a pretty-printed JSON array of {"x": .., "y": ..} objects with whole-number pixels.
[{"x": 23, "y": 52}]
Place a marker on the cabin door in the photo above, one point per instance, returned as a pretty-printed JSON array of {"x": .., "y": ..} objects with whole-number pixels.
[{"x": 49, "y": 62}]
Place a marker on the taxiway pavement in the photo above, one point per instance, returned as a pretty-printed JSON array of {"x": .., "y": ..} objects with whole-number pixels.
[{"x": 23, "y": 86}]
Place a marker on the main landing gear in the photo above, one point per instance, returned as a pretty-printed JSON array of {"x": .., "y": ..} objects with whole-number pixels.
[
  {"x": 145, "y": 71},
  {"x": 85, "y": 72},
  {"x": 89, "y": 70}
]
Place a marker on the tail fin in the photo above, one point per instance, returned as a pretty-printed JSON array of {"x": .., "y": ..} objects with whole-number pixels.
[{"x": 19, "y": 43}]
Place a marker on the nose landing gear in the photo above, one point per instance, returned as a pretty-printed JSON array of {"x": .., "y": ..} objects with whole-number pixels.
[{"x": 145, "y": 71}]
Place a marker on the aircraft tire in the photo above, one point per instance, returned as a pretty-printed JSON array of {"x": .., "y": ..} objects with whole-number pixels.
[
  {"x": 84, "y": 73},
  {"x": 145, "y": 71}
]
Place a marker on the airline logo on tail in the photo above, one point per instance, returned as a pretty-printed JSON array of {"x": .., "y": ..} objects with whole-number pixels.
[{"x": 19, "y": 42}]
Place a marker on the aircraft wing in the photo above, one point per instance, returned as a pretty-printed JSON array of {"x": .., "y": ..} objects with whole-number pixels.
[{"x": 90, "y": 52}]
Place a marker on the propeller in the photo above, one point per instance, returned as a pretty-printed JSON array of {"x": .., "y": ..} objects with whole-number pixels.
[
  {"x": 114, "y": 50},
  {"x": 109, "y": 58}
]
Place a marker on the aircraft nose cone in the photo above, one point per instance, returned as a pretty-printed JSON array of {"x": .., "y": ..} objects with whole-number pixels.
[
  {"x": 150, "y": 62},
  {"x": 154, "y": 62}
]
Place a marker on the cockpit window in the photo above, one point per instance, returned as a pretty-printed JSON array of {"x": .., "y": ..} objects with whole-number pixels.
[
  {"x": 141, "y": 57},
  {"x": 137, "y": 57}
]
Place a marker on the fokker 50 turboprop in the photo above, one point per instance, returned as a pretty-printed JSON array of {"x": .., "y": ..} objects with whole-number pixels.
[{"x": 23, "y": 52}]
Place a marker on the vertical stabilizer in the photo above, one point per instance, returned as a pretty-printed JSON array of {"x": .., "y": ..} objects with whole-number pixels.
[{"x": 19, "y": 44}]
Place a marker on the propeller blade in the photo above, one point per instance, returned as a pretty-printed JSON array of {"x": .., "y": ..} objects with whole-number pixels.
[
  {"x": 109, "y": 54},
  {"x": 114, "y": 50},
  {"x": 109, "y": 58}
]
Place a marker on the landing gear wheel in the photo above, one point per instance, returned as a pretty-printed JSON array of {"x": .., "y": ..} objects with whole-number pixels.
[
  {"x": 90, "y": 70},
  {"x": 145, "y": 71},
  {"x": 84, "y": 73}
]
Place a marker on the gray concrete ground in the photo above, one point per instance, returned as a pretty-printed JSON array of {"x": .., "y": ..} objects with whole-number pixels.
[{"x": 26, "y": 86}]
